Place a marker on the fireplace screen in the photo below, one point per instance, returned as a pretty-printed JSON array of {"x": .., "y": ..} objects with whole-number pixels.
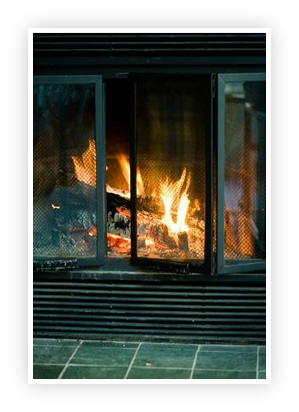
[
  {"x": 65, "y": 194},
  {"x": 242, "y": 169},
  {"x": 132, "y": 169},
  {"x": 171, "y": 129}
]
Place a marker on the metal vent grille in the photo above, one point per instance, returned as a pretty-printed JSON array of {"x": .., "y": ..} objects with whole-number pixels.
[
  {"x": 189, "y": 312},
  {"x": 148, "y": 44}
]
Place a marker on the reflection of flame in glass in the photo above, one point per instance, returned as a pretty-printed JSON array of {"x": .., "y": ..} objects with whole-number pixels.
[
  {"x": 85, "y": 167},
  {"x": 175, "y": 197}
]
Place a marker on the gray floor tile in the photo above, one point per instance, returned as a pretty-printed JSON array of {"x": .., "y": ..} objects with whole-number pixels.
[
  {"x": 105, "y": 356},
  {"x": 56, "y": 342},
  {"x": 111, "y": 359},
  {"x": 222, "y": 374},
  {"x": 109, "y": 344},
  {"x": 94, "y": 372},
  {"x": 229, "y": 348},
  {"x": 154, "y": 373},
  {"x": 46, "y": 371},
  {"x": 166, "y": 355},
  {"x": 262, "y": 358},
  {"x": 226, "y": 361},
  {"x": 52, "y": 354}
]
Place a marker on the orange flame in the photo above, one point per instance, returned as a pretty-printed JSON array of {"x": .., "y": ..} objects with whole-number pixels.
[
  {"x": 175, "y": 199},
  {"x": 174, "y": 194},
  {"x": 125, "y": 168}
]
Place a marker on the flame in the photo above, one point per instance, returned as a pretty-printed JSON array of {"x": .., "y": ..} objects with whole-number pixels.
[
  {"x": 175, "y": 198},
  {"x": 174, "y": 195},
  {"x": 125, "y": 168},
  {"x": 85, "y": 167}
]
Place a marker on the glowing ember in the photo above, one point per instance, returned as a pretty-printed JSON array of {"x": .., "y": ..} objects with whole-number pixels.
[
  {"x": 118, "y": 243},
  {"x": 85, "y": 167},
  {"x": 176, "y": 201}
]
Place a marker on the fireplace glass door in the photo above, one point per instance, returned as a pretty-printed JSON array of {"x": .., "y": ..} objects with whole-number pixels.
[
  {"x": 241, "y": 208},
  {"x": 132, "y": 170},
  {"x": 171, "y": 115},
  {"x": 67, "y": 175}
]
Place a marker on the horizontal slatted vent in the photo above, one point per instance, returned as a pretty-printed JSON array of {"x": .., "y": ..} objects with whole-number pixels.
[
  {"x": 149, "y": 44},
  {"x": 101, "y": 310}
]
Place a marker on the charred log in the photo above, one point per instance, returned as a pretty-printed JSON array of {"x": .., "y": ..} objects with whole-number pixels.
[{"x": 115, "y": 201}]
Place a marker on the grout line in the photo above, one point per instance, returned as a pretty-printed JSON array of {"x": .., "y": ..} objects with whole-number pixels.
[
  {"x": 194, "y": 362},
  {"x": 257, "y": 361},
  {"x": 132, "y": 361},
  {"x": 68, "y": 362},
  {"x": 119, "y": 366}
]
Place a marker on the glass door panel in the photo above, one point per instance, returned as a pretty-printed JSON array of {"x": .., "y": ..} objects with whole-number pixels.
[
  {"x": 241, "y": 170},
  {"x": 171, "y": 130},
  {"x": 66, "y": 172}
]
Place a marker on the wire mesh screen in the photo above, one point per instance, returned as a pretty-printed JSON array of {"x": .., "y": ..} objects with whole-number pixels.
[
  {"x": 171, "y": 123},
  {"x": 64, "y": 171},
  {"x": 245, "y": 167}
]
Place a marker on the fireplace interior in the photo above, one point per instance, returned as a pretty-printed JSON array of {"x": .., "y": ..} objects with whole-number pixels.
[{"x": 121, "y": 171}]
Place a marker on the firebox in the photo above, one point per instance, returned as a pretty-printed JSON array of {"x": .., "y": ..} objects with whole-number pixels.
[{"x": 166, "y": 171}]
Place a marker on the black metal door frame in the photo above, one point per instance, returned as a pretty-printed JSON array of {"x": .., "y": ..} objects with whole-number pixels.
[
  {"x": 208, "y": 265},
  {"x": 213, "y": 262}
]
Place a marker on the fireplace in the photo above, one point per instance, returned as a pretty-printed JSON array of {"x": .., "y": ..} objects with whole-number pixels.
[
  {"x": 149, "y": 186},
  {"x": 166, "y": 171}
]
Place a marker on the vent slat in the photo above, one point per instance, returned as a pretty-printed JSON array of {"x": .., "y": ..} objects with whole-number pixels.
[
  {"x": 135, "y": 299},
  {"x": 141, "y": 44},
  {"x": 98, "y": 310},
  {"x": 156, "y": 311},
  {"x": 148, "y": 293},
  {"x": 252, "y": 321}
]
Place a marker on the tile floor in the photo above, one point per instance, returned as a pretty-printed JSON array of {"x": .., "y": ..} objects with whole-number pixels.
[{"x": 74, "y": 359}]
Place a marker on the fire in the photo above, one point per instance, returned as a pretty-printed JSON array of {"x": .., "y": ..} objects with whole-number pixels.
[
  {"x": 125, "y": 168},
  {"x": 175, "y": 200},
  {"x": 85, "y": 167}
]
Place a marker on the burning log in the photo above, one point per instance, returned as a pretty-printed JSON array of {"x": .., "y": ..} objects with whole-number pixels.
[
  {"x": 161, "y": 237},
  {"x": 115, "y": 203},
  {"x": 118, "y": 243}
]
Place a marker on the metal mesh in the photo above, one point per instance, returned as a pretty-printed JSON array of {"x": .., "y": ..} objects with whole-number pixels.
[
  {"x": 244, "y": 190},
  {"x": 171, "y": 130},
  {"x": 64, "y": 175}
]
